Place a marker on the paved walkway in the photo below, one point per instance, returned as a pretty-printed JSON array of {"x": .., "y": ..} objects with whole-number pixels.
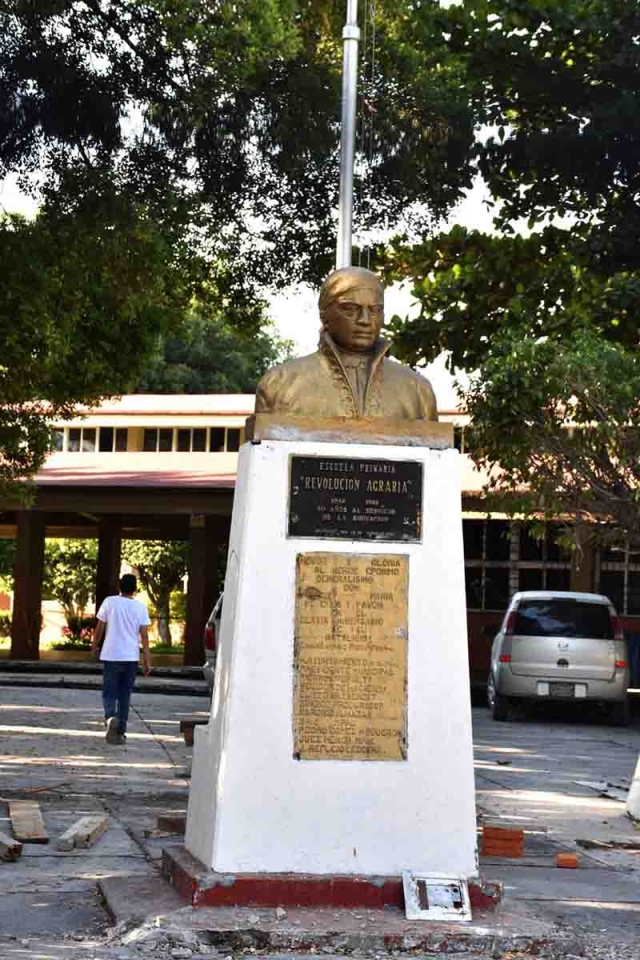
[{"x": 52, "y": 749}]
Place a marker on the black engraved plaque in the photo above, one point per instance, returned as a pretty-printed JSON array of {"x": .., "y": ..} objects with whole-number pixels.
[{"x": 347, "y": 499}]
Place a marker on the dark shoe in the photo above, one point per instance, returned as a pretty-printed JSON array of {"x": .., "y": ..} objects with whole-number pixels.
[
  {"x": 122, "y": 739},
  {"x": 112, "y": 733}
]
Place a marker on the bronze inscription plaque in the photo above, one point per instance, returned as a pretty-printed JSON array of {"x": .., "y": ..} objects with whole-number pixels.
[{"x": 350, "y": 657}]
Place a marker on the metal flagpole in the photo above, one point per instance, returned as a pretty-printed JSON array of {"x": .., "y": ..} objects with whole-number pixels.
[{"x": 350, "y": 36}]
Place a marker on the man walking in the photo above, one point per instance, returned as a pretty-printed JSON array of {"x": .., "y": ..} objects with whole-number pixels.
[{"x": 125, "y": 621}]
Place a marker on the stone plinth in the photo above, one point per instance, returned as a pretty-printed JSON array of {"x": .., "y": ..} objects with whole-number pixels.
[
  {"x": 200, "y": 887},
  {"x": 255, "y": 806}
]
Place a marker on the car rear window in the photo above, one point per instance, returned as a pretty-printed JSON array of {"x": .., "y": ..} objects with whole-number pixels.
[{"x": 563, "y": 618}]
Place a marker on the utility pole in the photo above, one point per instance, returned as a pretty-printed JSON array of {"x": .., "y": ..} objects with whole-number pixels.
[{"x": 351, "y": 37}]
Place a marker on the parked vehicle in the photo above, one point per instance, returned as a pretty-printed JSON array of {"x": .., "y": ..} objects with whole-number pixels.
[
  {"x": 211, "y": 634},
  {"x": 559, "y": 646}
]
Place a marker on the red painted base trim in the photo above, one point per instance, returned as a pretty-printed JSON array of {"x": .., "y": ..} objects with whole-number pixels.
[{"x": 205, "y": 888}]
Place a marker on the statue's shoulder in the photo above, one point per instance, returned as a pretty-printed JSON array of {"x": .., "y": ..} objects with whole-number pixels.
[
  {"x": 290, "y": 369},
  {"x": 400, "y": 377},
  {"x": 282, "y": 383}
]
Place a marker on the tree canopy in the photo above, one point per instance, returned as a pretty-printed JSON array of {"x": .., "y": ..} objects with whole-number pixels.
[
  {"x": 554, "y": 87},
  {"x": 182, "y": 147},
  {"x": 87, "y": 293},
  {"x": 225, "y": 116},
  {"x": 558, "y": 428},
  {"x": 545, "y": 308},
  {"x": 209, "y": 354},
  {"x": 69, "y": 576}
]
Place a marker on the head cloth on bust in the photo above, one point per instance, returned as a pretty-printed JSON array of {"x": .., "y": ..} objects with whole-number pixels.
[{"x": 342, "y": 280}]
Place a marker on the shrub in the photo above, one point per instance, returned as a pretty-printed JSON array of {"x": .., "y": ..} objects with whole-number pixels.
[{"x": 77, "y": 634}]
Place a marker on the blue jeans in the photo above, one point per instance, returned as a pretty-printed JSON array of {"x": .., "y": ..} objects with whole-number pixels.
[{"x": 118, "y": 678}]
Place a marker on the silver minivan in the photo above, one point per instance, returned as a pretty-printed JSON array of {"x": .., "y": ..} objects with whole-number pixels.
[{"x": 563, "y": 646}]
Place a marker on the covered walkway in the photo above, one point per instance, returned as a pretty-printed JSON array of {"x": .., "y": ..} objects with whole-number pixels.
[{"x": 131, "y": 494}]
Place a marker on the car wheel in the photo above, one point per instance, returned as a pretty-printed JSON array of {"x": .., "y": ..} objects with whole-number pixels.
[
  {"x": 619, "y": 713},
  {"x": 498, "y": 704}
]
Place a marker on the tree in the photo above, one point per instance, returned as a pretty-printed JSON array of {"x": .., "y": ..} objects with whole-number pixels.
[
  {"x": 88, "y": 295},
  {"x": 208, "y": 354},
  {"x": 554, "y": 82},
  {"x": 229, "y": 112},
  {"x": 473, "y": 287},
  {"x": 558, "y": 427},
  {"x": 179, "y": 144},
  {"x": 69, "y": 577},
  {"x": 544, "y": 309},
  {"x": 160, "y": 566}
]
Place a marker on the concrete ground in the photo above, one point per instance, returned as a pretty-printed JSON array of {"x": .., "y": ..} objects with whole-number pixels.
[{"x": 52, "y": 749}]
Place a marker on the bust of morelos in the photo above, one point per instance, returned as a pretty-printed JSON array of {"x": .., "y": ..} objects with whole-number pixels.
[{"x": 349, "y": 375}]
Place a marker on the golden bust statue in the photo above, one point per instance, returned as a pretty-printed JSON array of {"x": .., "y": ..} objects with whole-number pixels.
[{"x": 349, "y": 375}]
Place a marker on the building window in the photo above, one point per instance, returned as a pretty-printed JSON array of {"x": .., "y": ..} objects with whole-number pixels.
[
  {"x": 542, "y": 563},
  {"x": 199, "y": 440},
  {"x": 501, "y": 557},
  {"x": 223, "y": 440},
  {"x": 487, "y": 551},
  {"x": 620, "y": 580},
  {"x": 233, "y": 440},
  {"x": 154, "y": 439},
  {"x": 216, "y": 439},
  {"x": 81, "y": 439},
  {"x": 192, "y": 440},
  {"x": 157, "y": 441},
  {"x": 111, "y": 439}
]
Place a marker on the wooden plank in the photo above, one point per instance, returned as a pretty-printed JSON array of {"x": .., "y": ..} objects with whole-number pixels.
[
  {"x": 27, "y": 822},
  {"x": 10, "y": 849},
  {"x": 83, "y": 833},
  {"x": 172, "y": 823},
  {"x": 194, "y": 721},
  {"x": 187, "y": 728}
]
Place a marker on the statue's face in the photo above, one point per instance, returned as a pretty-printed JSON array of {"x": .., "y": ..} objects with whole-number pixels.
[{"x": 354, "y": 319}]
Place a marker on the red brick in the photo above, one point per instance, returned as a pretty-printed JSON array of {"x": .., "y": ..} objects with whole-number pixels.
[{"x": 568, "y": 861}]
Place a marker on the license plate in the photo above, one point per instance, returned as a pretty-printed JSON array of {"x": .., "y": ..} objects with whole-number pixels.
[{"x": 562, "y": 690}]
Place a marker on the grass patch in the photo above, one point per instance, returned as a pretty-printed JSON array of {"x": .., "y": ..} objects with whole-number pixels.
[{"x": 177, "y": 649}]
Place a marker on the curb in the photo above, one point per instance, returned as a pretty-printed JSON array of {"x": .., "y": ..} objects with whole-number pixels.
[
  {"x": 185, "y": 689},
  {"x": 90, "y": 667}
]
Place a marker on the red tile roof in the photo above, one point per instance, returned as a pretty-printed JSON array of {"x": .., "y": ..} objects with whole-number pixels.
[{"x": 205, "y": 470}]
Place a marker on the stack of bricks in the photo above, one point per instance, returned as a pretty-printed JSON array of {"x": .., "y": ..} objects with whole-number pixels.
[{"x": 502, "y": 841}]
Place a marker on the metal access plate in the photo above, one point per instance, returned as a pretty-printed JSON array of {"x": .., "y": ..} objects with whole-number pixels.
[{"x": 435, "y": 898}]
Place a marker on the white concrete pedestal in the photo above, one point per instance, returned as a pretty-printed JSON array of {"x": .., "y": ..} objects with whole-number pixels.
[{"x": 255, "y": 809}]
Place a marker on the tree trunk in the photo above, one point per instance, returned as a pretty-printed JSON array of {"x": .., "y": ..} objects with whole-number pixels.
[{"x": 162, "y": 609}]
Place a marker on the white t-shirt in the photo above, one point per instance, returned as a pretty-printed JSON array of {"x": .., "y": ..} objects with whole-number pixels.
[{"x": 123, "y": 616}]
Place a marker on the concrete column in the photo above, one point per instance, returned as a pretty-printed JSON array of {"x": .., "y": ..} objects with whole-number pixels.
[
  {"x": 109, "y": 550},
  {"x": 583, "y": 562},
  {"x": 27, "y": 589},
  {"x": 207, "y": 534}
]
